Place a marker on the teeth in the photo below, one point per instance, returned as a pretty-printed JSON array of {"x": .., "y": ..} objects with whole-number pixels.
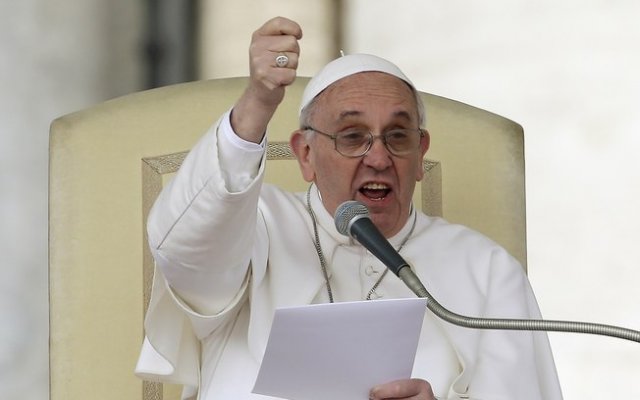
[{"x": 375, "y": 186}]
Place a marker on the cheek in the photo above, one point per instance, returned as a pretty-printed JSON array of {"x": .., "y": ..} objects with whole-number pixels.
[
  {"x": 319, "y": 166},
  {"x": 336, "y": 176},
  {"x": 331, "y": 176}
]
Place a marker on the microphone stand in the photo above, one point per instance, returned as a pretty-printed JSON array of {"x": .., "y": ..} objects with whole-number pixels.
[
  {"x": 352, "y": 219},
  {"x": 413, "y": 282}
]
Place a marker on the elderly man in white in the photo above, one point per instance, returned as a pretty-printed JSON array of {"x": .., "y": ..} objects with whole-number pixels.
[{"x": 230, "y": 250}]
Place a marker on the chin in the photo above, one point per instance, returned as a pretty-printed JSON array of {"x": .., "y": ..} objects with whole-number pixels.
[{"x": 383, "y": 224}]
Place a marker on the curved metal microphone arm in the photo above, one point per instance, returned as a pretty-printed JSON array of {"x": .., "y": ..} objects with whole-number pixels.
[
  {"x": 346, "y": 217},
  {"x": 413, "y": 282}
]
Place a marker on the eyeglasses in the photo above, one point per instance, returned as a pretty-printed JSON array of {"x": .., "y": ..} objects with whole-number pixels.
[{"x": 357, "y": 142}]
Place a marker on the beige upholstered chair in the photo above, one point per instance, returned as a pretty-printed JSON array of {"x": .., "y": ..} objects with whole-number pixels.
[{"x": 107, "y": 164}]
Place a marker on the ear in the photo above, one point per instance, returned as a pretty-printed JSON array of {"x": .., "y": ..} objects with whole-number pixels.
[
  {"x": 425, "y": 141},
  {"x": 300, "y": 147}
]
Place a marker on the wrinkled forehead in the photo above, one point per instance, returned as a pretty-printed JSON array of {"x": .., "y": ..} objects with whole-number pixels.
[
  {"x": 364, "y": 95},
  {"x": 346, "y": 66}
]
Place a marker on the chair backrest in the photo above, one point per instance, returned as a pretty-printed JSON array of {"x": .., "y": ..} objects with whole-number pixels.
[{"x": 108, "y": 163}]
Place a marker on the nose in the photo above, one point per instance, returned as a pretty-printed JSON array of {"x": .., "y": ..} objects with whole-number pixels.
[{"x": 378, "y": 157}]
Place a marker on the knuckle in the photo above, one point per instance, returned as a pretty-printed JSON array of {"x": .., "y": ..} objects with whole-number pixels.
[{"x": 260, "y": 71}]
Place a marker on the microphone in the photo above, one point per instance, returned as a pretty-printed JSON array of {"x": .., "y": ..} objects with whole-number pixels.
[{"x": 352, "y": 219}]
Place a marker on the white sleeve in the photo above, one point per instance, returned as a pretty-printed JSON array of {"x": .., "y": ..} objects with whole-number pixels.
[
  {"x": 239, "y": 159},
  {"x": 201, "y": 228}
]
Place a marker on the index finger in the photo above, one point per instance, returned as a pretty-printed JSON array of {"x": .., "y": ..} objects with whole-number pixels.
[
  {"x": 281, "y": 26},
  {"x": 401, "y": 389}
]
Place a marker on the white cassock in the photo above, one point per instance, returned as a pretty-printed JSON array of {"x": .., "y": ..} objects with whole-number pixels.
[{"x": 223, "y": 268}]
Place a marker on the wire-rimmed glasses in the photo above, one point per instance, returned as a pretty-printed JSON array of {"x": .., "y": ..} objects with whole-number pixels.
[{"x": 357, "y": 142}]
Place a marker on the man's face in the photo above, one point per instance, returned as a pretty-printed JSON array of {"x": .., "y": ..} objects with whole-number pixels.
[{"x": 376, "y": 102}]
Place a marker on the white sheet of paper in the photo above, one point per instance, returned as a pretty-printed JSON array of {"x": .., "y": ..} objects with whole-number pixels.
[{"x": 340, "y": 351}]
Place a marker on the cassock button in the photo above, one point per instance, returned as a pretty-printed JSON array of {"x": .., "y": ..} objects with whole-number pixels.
[{"x": 370, "y": 270}]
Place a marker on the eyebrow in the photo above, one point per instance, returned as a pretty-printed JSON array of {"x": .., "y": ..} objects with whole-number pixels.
[{"x": 346, "y": 114}]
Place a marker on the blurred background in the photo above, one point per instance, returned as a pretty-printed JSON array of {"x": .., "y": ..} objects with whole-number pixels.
[{"x": 566, "y": 70}]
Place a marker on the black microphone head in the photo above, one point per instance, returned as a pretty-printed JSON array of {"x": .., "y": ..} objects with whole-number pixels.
[{"x": 346, "y": 213}]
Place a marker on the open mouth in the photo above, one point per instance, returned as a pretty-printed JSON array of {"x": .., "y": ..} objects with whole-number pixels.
[{"x": 375, "y": 191}]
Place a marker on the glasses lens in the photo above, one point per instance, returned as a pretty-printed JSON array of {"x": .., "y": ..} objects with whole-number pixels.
[
  {"x": 353, "y": 143},
  {"x": 402, "y": 141}
]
